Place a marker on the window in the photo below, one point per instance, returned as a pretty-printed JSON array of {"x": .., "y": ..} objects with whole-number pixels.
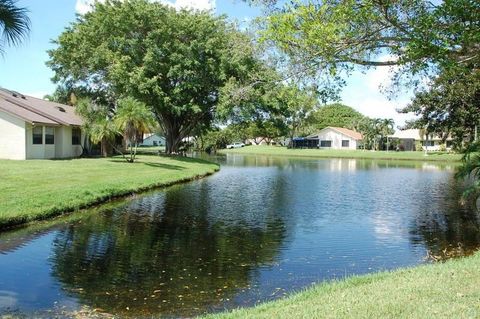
[
  {"x": 76, "y": 136},
  {"x": 325, "y": 143},
  {"x": 429, "y": 143},
  {"x": 49, "y": 135},
  {"x": 37, "y": 134},
  {"x": 345, "y": 143},
  {"x": 449, "y": 144}
]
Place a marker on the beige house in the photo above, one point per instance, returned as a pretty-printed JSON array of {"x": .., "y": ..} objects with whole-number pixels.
[
  {"x": 337, "y": 138},
  {"x": 32, "y": 128},
  {"x": 408, "y": 138}
]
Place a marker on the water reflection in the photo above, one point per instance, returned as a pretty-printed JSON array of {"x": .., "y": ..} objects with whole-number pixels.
[
  {"x": 260, "y": 228},
  {"x": 446, "y": 229},
  {"x": 332, "y": 164},
  {"x": 155, "y": 255}
]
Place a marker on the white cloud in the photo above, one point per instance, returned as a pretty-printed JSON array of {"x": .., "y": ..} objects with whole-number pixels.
[
  {"x": 84, "y": 6},
  {"x": 363, "y": 92},
  {"x": 191, "y": 4}
]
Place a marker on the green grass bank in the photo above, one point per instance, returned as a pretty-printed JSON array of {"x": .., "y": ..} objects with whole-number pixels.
[
  {"x": 442, "y": 290},
  {"x": 360, "y": 154},
  {"x": 39, "y": 189}
]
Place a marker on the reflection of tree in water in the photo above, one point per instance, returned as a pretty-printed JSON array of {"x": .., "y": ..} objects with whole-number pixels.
[
  {"x": 445, "y": 227},
  {"x": 164, "y": 258}
]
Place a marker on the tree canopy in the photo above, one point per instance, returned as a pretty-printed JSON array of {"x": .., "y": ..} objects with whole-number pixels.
[
  {"x": 329, "y": 37},
  {"x": 336, "y": 114},
  {"x": 451, "y": 105},
  {"x": 175, "y": 62}
]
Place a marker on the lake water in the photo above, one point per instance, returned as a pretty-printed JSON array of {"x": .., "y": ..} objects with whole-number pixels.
[{"x": 261, "y": 228}]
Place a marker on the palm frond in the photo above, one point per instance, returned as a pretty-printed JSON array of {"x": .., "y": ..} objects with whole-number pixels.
[{"x": 14, "y": 23}]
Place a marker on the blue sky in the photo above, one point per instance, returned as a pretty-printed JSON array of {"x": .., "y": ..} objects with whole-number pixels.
[{"x": 23, "y": 68}]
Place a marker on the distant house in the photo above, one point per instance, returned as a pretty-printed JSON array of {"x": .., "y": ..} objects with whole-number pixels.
[
  {"x": 153, "y": 140},
  {"x": 32, "y": 128},
  {"x": 332, "y": 138},
  {"x": 407, "y": 140}
]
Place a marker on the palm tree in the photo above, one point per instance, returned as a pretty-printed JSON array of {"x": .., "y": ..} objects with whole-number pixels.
[
  {"x": 98, "y": 125},
  {"x": 104, "y": 132},
  {"x": 14, "y": 23},
  {"x": 366, "y": 126},
  {"x": 133, "y": 118},
  {"x": 376, "y": 132},
  {"x": 387, "y": 129},
  {"x": 424, "y": 133},
  {"x": 471, "y": 169}
]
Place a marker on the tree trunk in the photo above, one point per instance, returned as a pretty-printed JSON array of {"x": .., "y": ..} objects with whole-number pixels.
[
  {"x": 173, "y": 140},
  {"x": 104, "y": 147}
]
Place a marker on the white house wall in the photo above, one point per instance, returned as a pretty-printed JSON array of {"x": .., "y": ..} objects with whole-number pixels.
[
  {"x": 37, "y": 151},
  {"x": 336, "y": 138},
  {"x": 62, "y": 148},
  {"x": 437, "y": 146},
  {"x": 12, "y": 137},
  {"x": 149, "y": 141},
  {"x": 63, "y": 144}
]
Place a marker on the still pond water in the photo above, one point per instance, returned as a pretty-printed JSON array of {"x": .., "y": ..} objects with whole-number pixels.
[{"x": 259, "y": 229}]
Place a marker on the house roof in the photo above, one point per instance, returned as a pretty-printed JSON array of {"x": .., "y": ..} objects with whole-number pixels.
[
  {"x": 152, "y": 135},
  {"x": 345, "y": 131},
  {"x": 407, "y": 134},
  {"x": 416, "y": 134},
  {"x": 34, "y": 110}
]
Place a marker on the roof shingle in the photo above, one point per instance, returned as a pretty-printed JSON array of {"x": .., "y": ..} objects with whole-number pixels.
[{"x": 34, "y": 110}]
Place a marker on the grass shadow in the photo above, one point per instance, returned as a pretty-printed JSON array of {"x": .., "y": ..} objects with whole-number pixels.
[
  {"x": 188, "y": 159},
  {"x": 151, "y": 164},
  {"x": 165, "y": 166}
]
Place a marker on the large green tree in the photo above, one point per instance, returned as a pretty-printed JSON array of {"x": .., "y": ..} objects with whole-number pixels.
[
  {"x": 336, "y": 114},
  {"x": 14, "y": 23},
  {"x": 173, "y": 61}
]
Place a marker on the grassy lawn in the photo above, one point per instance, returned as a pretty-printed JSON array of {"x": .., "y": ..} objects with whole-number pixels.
[
  {"x": 37, "y": 189},
  {"x": 443, "y": 290},
  {"x": 381, "y": 155},
  {"x": 150, "y": 149}
]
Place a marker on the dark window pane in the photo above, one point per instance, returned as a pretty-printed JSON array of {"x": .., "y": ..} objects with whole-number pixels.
[
  {"x": 429, "y": 143},
  {"x": 37, "y": 134},
  {"x": 76, "y": 136},
  {"x": 345, "y": 143},
  {"x": 49, "y": 135},
  {"x": 325, "y": 143}
]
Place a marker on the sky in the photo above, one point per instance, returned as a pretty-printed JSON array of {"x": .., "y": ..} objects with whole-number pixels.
[{"x": 23, "y": 68}]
